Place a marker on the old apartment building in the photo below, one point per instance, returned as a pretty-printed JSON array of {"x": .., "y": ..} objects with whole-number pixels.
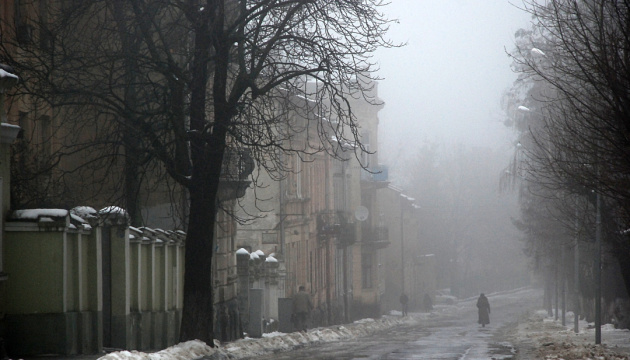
[
  {"x": 326, "y": 226},
  {"x": 323, "y": 225}
]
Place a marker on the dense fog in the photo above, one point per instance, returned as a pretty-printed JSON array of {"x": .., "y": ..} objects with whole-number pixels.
[{"x": 442, "y": 135}]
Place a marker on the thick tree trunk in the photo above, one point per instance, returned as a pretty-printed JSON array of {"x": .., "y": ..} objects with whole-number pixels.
[
  {"x": 132, "y": 183},
  {"x": 206, "y": 159},
  {"x": 197, "y": 317}
]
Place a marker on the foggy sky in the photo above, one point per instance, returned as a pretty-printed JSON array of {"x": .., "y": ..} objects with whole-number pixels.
[{"x": 446, "y": 84}]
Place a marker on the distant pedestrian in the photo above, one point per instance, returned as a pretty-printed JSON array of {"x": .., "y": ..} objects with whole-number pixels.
[
  {"x": 302, "y": 306},
  {"x": 404, "y": 301},
  {"x": 427, "y": 302},
  {"x": 484, "y": 310}
]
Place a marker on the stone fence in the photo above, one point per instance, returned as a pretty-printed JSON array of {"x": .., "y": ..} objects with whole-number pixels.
[{"x": 80, "y": 281}]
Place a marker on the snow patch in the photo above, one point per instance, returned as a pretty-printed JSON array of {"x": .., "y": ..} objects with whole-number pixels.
[
  {"x": 34, "y": 214},
  {"x": 242, "y": 251}
]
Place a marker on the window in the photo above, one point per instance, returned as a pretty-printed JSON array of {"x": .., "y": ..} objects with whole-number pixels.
[
  {"x": 298, "y": 177},
  {"x": 294, "y": 178},
  {"x": 45, "y": 136},
  {"x": 269, "y": 238}
]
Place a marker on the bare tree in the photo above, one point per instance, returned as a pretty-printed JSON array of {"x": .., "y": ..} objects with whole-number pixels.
[
  {"x": 185, "y": 85},
  {"x": 575, "y": 136}
]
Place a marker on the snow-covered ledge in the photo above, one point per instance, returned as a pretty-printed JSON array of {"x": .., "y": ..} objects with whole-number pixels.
[
  {"x": 7, "y": 78},
  {"x": 9, "y": 133}
]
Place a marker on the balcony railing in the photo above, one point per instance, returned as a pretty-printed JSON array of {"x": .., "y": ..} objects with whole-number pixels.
[
  {"x": 237, "y": 166},
  {"x": 375, "y": 173},
  {"x": 335, "y": 225},
  {"x": 377, "y": 236}
]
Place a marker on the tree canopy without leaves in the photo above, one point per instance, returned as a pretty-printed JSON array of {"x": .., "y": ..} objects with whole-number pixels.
[
  {"x": 574, "y": 88},
  {"x": 181, "y": 86}
]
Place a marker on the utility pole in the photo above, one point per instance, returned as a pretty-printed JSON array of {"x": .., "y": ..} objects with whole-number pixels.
[
  {"x": 576, "y": 272},
  {"x": 563, "y": 274},
  {"x": 402, "y": 246},
  {"x": 598, "y": 268}
]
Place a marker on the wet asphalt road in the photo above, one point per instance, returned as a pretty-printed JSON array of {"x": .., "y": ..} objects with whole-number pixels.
[{"x": 452, "y": 336}]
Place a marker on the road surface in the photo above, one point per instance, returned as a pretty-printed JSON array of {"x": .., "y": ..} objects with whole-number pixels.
[{"x": 452, "y": 335}]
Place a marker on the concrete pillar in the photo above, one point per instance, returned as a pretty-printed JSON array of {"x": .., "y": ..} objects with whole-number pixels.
[
  {"x": 242, "y": 271},
  {"x": 255, "y": 328}
]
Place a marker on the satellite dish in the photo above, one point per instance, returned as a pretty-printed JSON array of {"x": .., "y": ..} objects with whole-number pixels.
[{"x": 361, "y": 213}]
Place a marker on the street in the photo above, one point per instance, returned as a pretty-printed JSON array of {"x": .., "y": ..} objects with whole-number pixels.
[{"x": 452, "y": 335}]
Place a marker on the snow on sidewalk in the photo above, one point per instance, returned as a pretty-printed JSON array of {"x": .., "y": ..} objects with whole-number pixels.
[
  {"x": 542, "y": 337},
  {"x": 536, "y": 336},
  {"x": 271, "y": 342}
]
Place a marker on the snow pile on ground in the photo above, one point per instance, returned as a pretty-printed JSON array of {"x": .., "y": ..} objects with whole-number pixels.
[
  {"x": 270, "y": 342},
  {"x": 536, "y": 336},
  {"x": 182, "y": 351},
  {"x": 542, "y": 337}
]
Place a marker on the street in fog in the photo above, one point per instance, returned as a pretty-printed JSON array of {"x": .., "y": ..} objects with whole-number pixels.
[{"x": 454, "y": 335}]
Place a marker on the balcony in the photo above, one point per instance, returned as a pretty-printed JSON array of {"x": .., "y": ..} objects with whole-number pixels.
[
  {"x": 376, "y": 237},
  {"x": 375, "y": 176},
  {"x": 237, "y": 166},
  {"x": 332, "y": 224}
]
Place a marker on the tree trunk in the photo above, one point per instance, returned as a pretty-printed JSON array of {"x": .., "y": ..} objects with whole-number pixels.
[
  {"x": 197, "y": 315},
  {"x": 132, "y": 182},
  {"x": 206, "y": 159}
]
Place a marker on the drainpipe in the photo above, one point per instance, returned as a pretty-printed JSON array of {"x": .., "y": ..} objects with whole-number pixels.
[{"x": 346, "y": 305}]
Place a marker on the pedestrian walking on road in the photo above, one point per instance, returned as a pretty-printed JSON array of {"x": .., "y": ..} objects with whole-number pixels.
[
  {"x": 427, "y": 303},
  {"x": 404, "y": 300},
  {"x": 484, "y": 310},
  {"x": 302, "y": 306}
]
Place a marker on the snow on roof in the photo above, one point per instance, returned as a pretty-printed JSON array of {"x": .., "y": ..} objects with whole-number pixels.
[
  {"x": 77, "y": 218},
  {"x": 343, "y": 142},
  {"x": 537, "y": 51},
  {"x": 306, "y": 98},
  {"x": 254, "y": 256},
  {"x": 242, "y": 251},
  {"x": 148, "y": 230},
  {"x": 35, "y": 214},
  {"x": 407, "y": 197},
  {"x": 85, "y": 212},
  {"x": 260, "y": 252},
  {"x": 112, "y": 210},
  {"x": 394, "y": 188},
  {"x": 4, "y": 74},
  {"x": 271, "y": 259},
  {"x": 7, "y": 125}
]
